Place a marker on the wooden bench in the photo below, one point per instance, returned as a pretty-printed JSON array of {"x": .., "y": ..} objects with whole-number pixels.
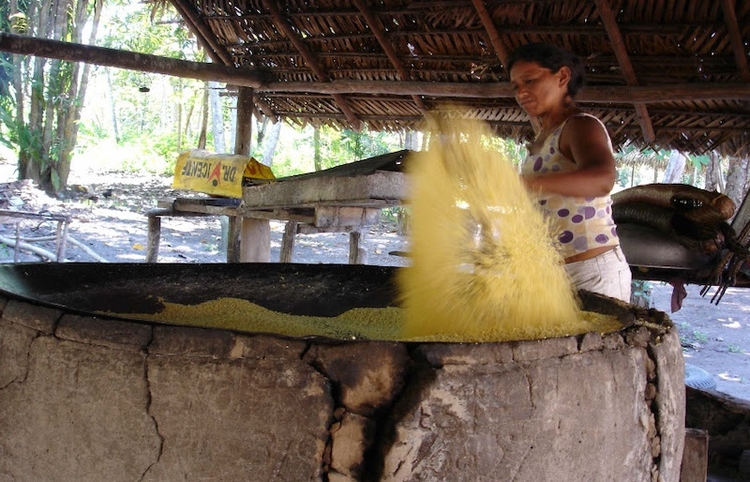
[{"x": 307, "y": 220}]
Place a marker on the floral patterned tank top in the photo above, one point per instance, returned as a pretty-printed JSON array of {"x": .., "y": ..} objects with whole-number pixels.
[{"x": 583, "y": 223}]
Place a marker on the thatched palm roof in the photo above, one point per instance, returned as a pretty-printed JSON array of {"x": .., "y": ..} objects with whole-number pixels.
[{"x": 664, "y": 73}]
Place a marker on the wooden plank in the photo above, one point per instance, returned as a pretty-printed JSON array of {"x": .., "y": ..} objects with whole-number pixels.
[
  {"x": 334, "y": 216},
  {"x": 312, "y": 229},
  {"x": 379, "y": 189},
  {"x": 695, "y": 456}
]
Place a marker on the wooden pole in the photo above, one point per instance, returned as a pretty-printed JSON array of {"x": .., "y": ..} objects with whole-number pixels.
[
  {"x": 254, "y": 234},
  {"x": 54, "y": 49}
]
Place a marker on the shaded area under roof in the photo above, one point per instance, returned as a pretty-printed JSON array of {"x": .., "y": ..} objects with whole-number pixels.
[{"x": 681, "y": 49}]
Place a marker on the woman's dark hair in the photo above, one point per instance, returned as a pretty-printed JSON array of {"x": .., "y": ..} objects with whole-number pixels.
[{"x": 553, "y": 58}]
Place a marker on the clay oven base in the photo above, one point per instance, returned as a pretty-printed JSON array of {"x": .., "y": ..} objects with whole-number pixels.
[{"x": 85, "y": 398}]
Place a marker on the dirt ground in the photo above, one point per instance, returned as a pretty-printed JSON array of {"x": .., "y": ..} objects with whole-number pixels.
[{"x": 108, "y": 222}]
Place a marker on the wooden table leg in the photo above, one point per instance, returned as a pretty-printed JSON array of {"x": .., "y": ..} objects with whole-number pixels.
[
  {"x": 154, "y": 236},
  {"x": 357, "y": 254},
  {"x": 234, "y": 226},
  {"x": 255, "y": 243},
  {"x": 287, "y": 242}
]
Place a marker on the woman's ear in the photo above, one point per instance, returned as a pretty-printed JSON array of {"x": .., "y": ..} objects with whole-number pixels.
[{"x": 565, "y": 75}]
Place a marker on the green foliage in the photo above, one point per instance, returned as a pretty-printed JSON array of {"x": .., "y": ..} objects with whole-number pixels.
[
  {"x": 14, "y": 133},
  {"x": 700, "y": 336},
  {"x": 107, "y": 155},
  {"x": 510, "y": 149},
  {"x": 295, "y": 153}
]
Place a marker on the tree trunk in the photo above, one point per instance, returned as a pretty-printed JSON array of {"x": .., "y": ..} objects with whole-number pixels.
[
  {"x": 233, "y": 122},
  {"x": 737, "y": 179},
  {"x": 262, "y": 129},
  {"x": 178, "y": 121},
  {"x": 78, "y": 88},
  {"x": 412, "y": 140},
  {"x": 714, "y": 176},
  {"x": 112, "y": 107},
  {"x": 57, "y": 91},
  {"x": 675, "y": 168},
  {"x": 316, "y": 149},
  {"x": 272, "y": 140},
  {"x": 217, "y": 119},
  {"x": 204, "y": 120},
  {"x": 24, "y": 155}
]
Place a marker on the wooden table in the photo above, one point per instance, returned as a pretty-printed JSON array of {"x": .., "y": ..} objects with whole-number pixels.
[{"x": 342, "y": 199}]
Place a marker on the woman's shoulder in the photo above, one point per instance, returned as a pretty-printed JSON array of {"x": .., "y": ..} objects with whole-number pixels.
[
  {"x": 585, "y": 120},
  {"x": 584, "y": 124},
  {"x": 587, "y": 130}
]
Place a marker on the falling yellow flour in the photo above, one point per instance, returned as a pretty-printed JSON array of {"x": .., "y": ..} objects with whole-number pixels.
[
  {"x": 484, "y": 267},
  {"x": 356, "y": 324}
]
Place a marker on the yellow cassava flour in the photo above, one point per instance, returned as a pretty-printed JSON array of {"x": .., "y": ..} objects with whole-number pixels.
[
  {"x": 484, "y": 266},
  {"x": 356, "y": 324}
]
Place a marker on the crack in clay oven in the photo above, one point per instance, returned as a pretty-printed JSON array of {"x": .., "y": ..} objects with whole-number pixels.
[{"x": 149, "y": 401}]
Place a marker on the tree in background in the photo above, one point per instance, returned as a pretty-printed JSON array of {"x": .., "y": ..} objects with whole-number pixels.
[{"x": 41, "y": 113}]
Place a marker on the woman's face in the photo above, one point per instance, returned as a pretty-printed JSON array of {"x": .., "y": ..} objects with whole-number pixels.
[{"x": 538, "y": 90}]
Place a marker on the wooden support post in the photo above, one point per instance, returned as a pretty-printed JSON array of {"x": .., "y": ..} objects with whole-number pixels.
[
  {"x": 62, "y": 240},
  {"x": 695, "y": 456},
  {"x": 244, "y": 129},
  {"x": 154, "y": 237},
  {"x": 357, "y": 255},
  {"x": 255, "y": 234},
  {"x": 234, "y": 226},
  {"x": 287, "y": 242},
  {"x": 255, "y": 246}
]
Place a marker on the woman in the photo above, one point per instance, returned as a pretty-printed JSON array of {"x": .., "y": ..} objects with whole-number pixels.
[{"x": 571, "y": 167}]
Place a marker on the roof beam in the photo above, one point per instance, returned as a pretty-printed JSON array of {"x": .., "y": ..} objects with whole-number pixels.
[
  {"x": 489, "y": 26},
  {"x": 23, "y": 45},
  {"x": 90, "y": 54},
  {"x": 618, "y": 46},
  {"x": 377, "y": 29},
  {"x": 730, "y": 17},
  {"x": 489, "y": 90},
  {"x": 310, "y": 59}
]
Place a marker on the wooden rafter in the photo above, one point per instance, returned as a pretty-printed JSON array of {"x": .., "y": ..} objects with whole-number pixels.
[
  {"x": 489, "y": 26},
  {"x": 203, "y": 33},
  {"x": 618, "y": 46},
  {"x": 208, "y": 41},
  {"x": 377, "y": 29},
  {"x": 736, "y": 39},
  {"x": 310, "y": 59}
]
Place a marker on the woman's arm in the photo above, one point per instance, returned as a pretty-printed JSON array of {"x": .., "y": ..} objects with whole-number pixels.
[{"x": 586, "y": 142}]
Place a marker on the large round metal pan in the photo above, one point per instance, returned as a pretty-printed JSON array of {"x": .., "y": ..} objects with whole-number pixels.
[{"x": 297, "y": 289}]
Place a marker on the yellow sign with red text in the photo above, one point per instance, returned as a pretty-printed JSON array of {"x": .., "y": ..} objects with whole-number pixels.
[{"x": 216, "y": 174}]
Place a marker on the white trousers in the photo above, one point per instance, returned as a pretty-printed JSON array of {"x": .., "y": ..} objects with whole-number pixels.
[{"x": 607, "y": 274}]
